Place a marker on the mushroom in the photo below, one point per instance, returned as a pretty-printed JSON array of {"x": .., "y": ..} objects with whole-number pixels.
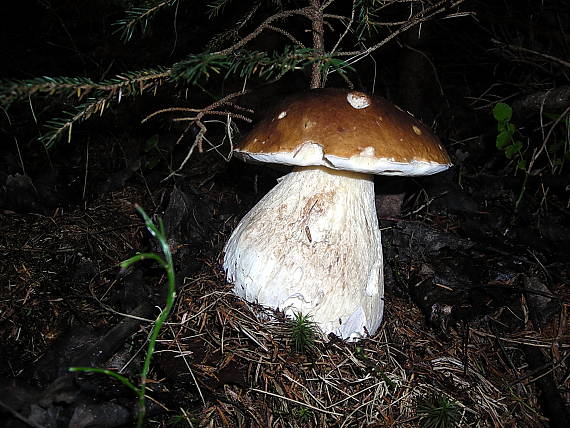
[{"x": 312, "y": 244}]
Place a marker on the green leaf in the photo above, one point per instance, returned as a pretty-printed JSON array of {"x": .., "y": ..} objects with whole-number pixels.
[
  {"x": 551, "y": 116},
  {"x": 513, "y": 149},
  {"x": 502, "y": 112},
  {"x": 117, "y": 376},
  {"x": 152, "y": 162},
  {"x": 503, "y": 139},
  {"x": 151, "y": 143},
  {"x": 555, "y": 146}
]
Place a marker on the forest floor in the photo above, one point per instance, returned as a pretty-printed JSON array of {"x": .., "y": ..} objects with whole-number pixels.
[{"x": 475, "y": 327}]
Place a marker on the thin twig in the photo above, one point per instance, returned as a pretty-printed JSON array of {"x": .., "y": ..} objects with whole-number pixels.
[
  {"x": 281, "y": 15},
  {"x": 420, "y": 17},
  {"x": 296, "y": 402}
]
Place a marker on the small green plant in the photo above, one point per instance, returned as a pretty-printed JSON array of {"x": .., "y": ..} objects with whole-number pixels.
[
  {"x": 303, "y": 332},
  {"x": 167, "y": 264},
  {"x": 182, "y": 420},
  {"x": 153, "y": 153},
  {"x": 304, "y": 414},
  {"x": 438, "y": 411},
  {"x": 506, "y": 138},
  {"x": 507, "y": 141}
]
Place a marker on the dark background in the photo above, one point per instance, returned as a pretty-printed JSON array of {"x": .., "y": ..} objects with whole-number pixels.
[{"x": 70, "y": 206}]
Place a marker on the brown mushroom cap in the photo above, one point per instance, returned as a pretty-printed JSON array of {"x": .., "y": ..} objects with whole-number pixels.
[{"x": 345, "y": 130}]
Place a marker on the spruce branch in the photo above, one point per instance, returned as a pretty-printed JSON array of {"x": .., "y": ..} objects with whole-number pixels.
[
  {"x": 367, "y": 15},
  {"x": 217, "y": 7},
  {"x": 58, "y": 128},
  {"x": 96, "y": 96},
  {"x": 255, "y": 33},
  {"x": 125, "y": 84},
  {"x": 232, "y": 33},
  {"x": 233, "y": 61},
  {"x": 247, "y": 63},
  {"x": 194, "y": 70},
  {"x": 229, "y": 35},
  {"x": 424, "y": 15},
  {"x": 13, "y": 90},
  {"x": 286, "y": 34},
  {"x": 248, "y": 16},
  {"x": 199, "y": 67},
  {"x": 140, "y": 17}
]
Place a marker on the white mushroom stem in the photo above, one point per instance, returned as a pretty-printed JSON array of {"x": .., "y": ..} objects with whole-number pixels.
[{"x": 312, "y": 245}]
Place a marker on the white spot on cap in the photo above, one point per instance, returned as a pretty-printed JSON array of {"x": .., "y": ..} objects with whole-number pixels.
[
  {"x": 282, "y": 115},
  {"x": 309, "y": 153},
  {"x": 417, "y": 130},
  {"x": 358, "y": 100}
]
